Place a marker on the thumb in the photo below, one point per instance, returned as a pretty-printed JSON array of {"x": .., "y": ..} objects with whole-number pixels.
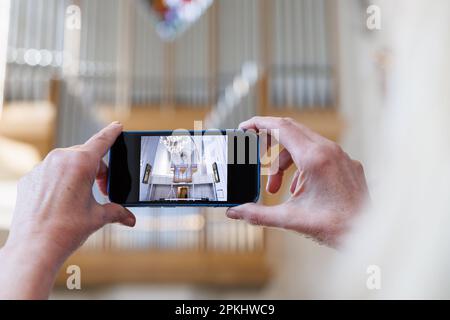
[
  {"x": 116, "y": 213},
  {"x": 257, "y": 214}
]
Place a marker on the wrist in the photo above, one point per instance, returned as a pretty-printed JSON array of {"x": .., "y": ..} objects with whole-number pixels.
[
  {"x": 28, "y": 269},
  {"x": 37, "y": 252}
]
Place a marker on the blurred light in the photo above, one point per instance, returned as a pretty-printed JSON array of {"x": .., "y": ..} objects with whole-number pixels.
[
  {"x": 241, "y": 87},
  {"x": 46, "y": 58},
  {"x": 238, "y": 89},
  {"x": 250, "y": 72},
  {"x": 223, "y": 113},
  {"x": 230, "y": 97},
  {"x": 189, "y": 12},
  {"x": 57, "y": 59},
  {"x": 32, "y": 57}
]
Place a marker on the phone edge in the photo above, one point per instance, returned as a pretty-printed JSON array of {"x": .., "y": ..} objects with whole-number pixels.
[{"x": 227, "y": 205}]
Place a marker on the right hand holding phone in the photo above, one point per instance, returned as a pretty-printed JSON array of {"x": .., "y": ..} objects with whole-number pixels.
[{"x": 327, "y": 191}]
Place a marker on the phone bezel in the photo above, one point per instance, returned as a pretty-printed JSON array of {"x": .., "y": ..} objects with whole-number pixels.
[{"x": 182, "y": 203}]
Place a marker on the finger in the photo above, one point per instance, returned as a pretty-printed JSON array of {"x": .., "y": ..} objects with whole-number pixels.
[
  {"x": 116, "y": 213},
  {"x": 257, "y": 214},
  {"x": 100, "y": 143},
  {"x": 290, "y": 134},
  {"x": 275, "y": 180},
  {"x": 76, "y": 146},
  {"x": 102, "y": 177},
  {"x": 281, "y": 122}
]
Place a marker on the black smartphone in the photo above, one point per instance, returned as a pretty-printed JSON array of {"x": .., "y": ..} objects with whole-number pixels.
[{"x": 217, "y": 168}]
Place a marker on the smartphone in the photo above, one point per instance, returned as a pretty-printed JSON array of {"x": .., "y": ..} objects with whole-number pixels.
[{"x": 216, "y": 168}]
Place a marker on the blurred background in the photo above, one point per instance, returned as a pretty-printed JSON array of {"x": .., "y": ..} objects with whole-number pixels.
[{"x": 69, "y": 67}]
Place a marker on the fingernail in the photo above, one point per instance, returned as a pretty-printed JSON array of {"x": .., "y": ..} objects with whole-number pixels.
[
  {"x": 130, "y": 221},
  {"x": 232, "y": 214},
  {"x": 115, "y": 123}
]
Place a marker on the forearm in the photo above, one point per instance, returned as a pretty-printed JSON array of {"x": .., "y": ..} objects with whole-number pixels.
[{"x": 26, "y": 272}]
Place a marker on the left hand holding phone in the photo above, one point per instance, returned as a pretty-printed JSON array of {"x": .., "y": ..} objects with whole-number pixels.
[{"x": 55, "y": 213}]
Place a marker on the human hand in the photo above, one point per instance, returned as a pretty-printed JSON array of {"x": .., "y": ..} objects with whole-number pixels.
[
  {"x": 55, "y": 209},
  {"x": 327, "y": 190}
]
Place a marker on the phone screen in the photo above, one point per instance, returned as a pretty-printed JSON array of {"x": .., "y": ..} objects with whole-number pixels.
[
  {"x": 219, "y": 168},
  {"x": 184, "y": 168}
]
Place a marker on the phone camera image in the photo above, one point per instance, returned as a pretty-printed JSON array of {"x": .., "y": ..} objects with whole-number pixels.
[{"x": 183, "y": 167}]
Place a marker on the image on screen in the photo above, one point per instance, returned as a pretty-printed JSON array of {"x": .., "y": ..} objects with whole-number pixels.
[{"x": 183, "y": 168}]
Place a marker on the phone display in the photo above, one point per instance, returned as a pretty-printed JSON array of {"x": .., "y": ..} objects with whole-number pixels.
[
  {"x": 219, "y": 168},
  {"x": 189, "y": 168}
]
